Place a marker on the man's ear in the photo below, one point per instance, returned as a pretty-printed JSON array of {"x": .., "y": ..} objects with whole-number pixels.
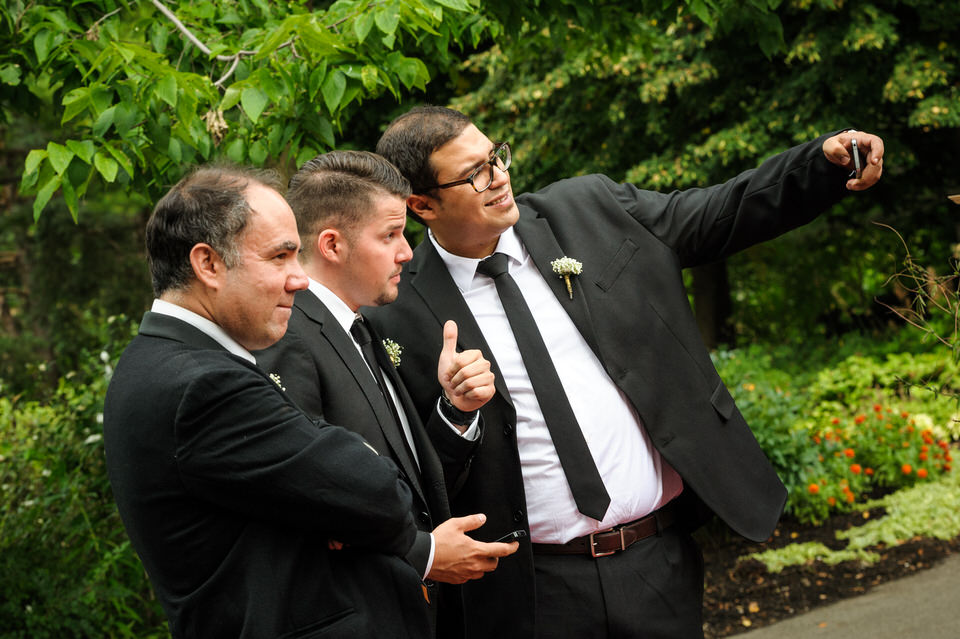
[
  {"x": 422, "y": 205},
  {"x": 331, "y": 245},
  {"x": 208, "y": 266}
]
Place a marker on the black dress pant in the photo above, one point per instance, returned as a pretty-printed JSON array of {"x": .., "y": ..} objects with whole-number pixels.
[{"x": 651, "y": 590}]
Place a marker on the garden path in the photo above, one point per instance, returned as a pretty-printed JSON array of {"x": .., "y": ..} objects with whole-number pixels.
[{"x": 925, "y": 605}]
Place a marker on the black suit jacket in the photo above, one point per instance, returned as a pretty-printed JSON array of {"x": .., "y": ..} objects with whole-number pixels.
[
  {"x": 325, "y": 375},
  {"x": 630, "y": 305},
  {"x": 230, "y": 494}
]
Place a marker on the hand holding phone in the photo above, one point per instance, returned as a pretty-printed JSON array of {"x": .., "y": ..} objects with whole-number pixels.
[
  {"x": 857, "y": 167},
  {"x": 515, "y": 535}
]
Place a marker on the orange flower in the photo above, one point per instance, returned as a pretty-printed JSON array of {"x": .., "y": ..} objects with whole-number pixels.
[
  {"x": 948, "y": 457},
  {"x": 946, "y": 468},
  {"x": 880, "y": 417},
  {"x": 851, "y": 498},
  {"x": 922, "y": 456},
  {"x": 831, "y": 501},
  {"x": 849, "y": 453},
  {"x": 813, "y": 488},
  {"x": 868, "y": 471},
  {"x": 922, "y": 473},
  {"x": 877, "y": 407},
  {"x": 816, "y": 439},
  {"x": 855, "y": 469},
  {"x": 835, "y": 420},
  {"x": 859, "y": 419},
  {"x": 924, "y": 448},
  {"x": 906, "y": 469},
  {"x": 904, "y": 414}
]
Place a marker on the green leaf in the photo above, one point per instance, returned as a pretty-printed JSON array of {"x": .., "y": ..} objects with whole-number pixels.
[
  {"x": 84, "y": 150},
  {"x": 270, "y": 86},
  {"x": 236, "y": 150},
  {"x": 106, "y": 165},
  {"x": 230, "y": 98},
  {"x": 325, "y": 129},
  {"x": 458, "y": 5},
  {"x": 174, "y": 150},
  {"x": 70, "y": 197},
  {"x": 75, "y": 102},
  {"x": 333, "y": 89},
  {"x": 362, "y": 25},
  {"x": 370, "y": 77},
  {"x": 387, "y": 19},
  {"x": 166, "y": 89},
  {"x": 121, "y": 157},
  {"x": 258, "y": 153},
  {"x": 104, "y": 121},
  {"x": 34, "y": 158},
  {"x": 42, "y": 44},
  {"x": 59, "y": 156},
  {"x": 316, "y": 80},
  {"x": 44, "y": 194},
  {"x": 305, "y": 154},
  {"x": 254, "y": 101},
  {"x": 10, "y": 74}
]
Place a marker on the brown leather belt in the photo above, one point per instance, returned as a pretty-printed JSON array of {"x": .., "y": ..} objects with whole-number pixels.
[{"x": 608, "y": 542}]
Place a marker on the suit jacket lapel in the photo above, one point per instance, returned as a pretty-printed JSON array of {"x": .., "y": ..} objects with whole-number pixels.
[
  {"x": 430, "y": 278},
  {"x": 166, "y": 326},
  {"x": 351, "y": 358},
  {"x": 542, "y": 244}
]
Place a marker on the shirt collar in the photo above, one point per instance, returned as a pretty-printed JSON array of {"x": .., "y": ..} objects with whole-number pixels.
[
  {"x": 463, "y": 269},
  {"x": 202, "y": 324},
  {"x": 337, "y": 307}
]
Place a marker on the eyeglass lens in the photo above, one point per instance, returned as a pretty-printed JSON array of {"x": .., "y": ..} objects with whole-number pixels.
[{"x": 484, "y": 176}]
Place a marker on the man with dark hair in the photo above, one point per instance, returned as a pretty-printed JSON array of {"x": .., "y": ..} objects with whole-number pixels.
[
  {"x": 251, "y": 519},
  {"x": 351, "y": 211},
  {"x": 611, "y": 435}
]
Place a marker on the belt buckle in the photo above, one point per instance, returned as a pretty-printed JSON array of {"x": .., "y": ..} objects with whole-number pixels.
[{"x": 593, "y": 544}]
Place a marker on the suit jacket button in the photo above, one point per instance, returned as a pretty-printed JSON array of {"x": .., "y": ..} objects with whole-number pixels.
[
  {"x": 518, "y": 516},
  {"x": 508, "y": 429},
  {"x": 424, "y": 518}
]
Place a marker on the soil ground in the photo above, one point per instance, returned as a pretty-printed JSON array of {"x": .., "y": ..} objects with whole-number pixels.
[{"x": 743, "y": 594}]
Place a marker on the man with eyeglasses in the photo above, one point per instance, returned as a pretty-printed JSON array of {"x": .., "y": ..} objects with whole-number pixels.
[{"x": 611, "y": 436}]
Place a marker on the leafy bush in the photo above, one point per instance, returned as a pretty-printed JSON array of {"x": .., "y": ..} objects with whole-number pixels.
[
  {"x": 68, "y": 569},
  {"x": 838, "y": 429}
]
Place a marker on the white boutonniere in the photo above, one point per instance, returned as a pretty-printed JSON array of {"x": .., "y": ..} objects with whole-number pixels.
[
  {"x": 276, "y": 380},
  {"x": 565, "y": 267},
  {"x": 393, "y": 350}
]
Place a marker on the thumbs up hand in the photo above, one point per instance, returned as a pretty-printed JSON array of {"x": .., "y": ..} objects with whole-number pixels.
[{"x": 465, "y": 377}]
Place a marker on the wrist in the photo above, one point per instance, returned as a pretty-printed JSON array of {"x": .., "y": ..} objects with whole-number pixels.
[{"x": 453, "y": 414}]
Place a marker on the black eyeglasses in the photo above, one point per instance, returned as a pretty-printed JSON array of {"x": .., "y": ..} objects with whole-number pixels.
[{"x": 480, "y": 180}]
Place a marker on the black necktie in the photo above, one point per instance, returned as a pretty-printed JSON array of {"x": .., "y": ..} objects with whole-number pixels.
[
  {"x": 361, "y": 334},
  {"x": 578, "y": 465}
]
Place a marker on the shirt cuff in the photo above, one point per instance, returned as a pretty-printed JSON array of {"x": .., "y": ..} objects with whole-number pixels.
[
  {"x": 472, "y": 432},
  {"x": 433, "y": 549}
]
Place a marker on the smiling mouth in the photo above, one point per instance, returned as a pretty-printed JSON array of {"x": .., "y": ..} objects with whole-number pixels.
[{"x": 499, "y": 200}]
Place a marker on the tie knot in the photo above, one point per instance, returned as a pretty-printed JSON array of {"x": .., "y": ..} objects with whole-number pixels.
[
  {"x": 494, "y": 266},
  {"x": 360, "y": 332}
]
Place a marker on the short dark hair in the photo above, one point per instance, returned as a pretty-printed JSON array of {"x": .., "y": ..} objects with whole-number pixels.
[
  {"x": 337, "y": 189},
  {"x": 411, "y": 139},
  {"x": 208, "y": 206}
]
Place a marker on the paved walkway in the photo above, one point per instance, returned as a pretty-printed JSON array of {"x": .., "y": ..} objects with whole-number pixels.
[{"x": 925, "y": 605}]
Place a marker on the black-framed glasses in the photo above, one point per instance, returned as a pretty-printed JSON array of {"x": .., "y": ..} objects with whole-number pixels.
[{"x": 481, "y": 180}]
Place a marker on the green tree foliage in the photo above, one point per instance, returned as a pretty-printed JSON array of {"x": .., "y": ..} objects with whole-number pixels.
[
  {"x": 682, "y": 105},
  {"x": 142, "y": 89}
]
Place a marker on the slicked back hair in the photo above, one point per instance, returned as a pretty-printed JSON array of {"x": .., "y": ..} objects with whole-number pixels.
[
  {"x": 411, "y": 139},
  {"x": 338, "y": 190},
  {"x": 208, "y": 206}
]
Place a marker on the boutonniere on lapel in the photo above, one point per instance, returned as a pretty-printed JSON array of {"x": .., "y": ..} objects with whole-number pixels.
[
  {"x": 393, "y": 351},
  {"x": 276, "y": 380},
  {"x": 565, "y": 267}
]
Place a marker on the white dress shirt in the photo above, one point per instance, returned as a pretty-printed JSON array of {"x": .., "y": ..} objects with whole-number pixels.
[
  {"x": 636, "y": 478},
  {"x": 201, "y": 323}
]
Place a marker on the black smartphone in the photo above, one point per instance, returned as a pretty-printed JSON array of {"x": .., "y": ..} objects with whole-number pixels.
[
  {"x": 857, "y": 167},
  {"x": 516, "y": 535}
]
